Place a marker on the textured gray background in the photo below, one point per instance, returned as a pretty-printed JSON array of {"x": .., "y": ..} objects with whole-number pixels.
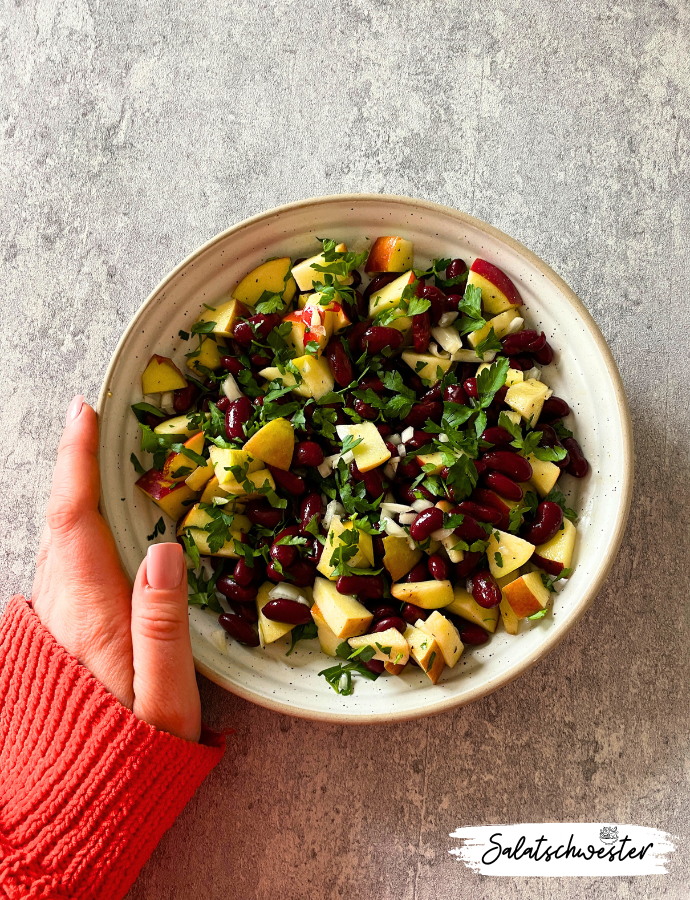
[{"x": 132, "y": 132}]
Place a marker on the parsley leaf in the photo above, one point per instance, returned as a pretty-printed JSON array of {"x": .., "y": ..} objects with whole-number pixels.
[
  {"x": 141, "y": 410},
  {"x": 490, "y": 380},
  {"x": 138, "y": 468},
  {"x": 159, "y": 528},
  {"x": 490, "y": 344},
  {"x": 302, "y": 633},
  {"x": 556, "y": 496}
]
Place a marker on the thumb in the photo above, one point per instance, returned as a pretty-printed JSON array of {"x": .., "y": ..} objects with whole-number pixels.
[{"x": 165, "y": 690}]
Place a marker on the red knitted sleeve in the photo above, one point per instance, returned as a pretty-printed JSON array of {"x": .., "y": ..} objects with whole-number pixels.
[{"x": 86, "y": 788}]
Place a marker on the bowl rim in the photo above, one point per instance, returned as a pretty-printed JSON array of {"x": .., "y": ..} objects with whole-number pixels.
[{"x": 560, "y": 631}]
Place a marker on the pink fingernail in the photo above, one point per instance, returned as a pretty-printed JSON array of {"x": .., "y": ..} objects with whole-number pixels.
[
  {"x": 164, "y": 566},
  {"x": 74, "y": 409}
]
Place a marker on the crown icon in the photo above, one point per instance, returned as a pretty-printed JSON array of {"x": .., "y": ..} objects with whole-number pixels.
[{"x": 609, "y": 834}]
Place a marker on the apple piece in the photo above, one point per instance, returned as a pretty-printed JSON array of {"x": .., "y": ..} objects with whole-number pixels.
[
  {"x": 394, "y": 670},
  {"x": 273, "y": 443},
  {"x": 389, "y": 297},
  {"x": 305, "y": 275},
  {"x": 498, "y": 291},
  {"x": 317, "y": 379},
  {"x": 344, "y": 615},
  {"x": 225, "y": 315},
  {"x": 269, "y": 631},
  {"x": 390, "y": 254},
  {"x": 557, "y": 554},
  {"x": 213, "y": 489},
  {"x": 224, "y": 460},
  {"x": 426, "y": 594},
  {"x": 511, "y": 623},
  {"x": 199, "y": 518},
  {"x": 200, "y": 538},
  {"x": 272, "y": 276},
  {"x": 200, "y": 477},
  {"x": 389, "y": 646},
  {"x": 429, "y": 368},
  {"x": 185, "y": 425},
  {"x": 179, "y": 463},
  {"x": 254, "y": 485},
  {"x": 455, "y": 553},
  {"x": 363, "y": 559},
  {"x": 507, "y": 552},
  {"x": 466, "y": 606},
  {"x": 446, "y": 636},
  {"x": 174, "y": 498},
  {"x": 514, "y": 376},
  {"x": 501, "y": 325},
  {"x": 399, "y": 557},
  {"x": 328, "y": 640},
  {"x": 308, "y": 327},
  {"x": 544, "y": 475},
  {"x": 335, "y": 318},
  {"x": 527, "y": 398},
  {"x": 207, "y": 357},
  {"x": 161, "y": 375},
  {"x": 436, "y": 459},
  {"x": 527, "y": 595},
  {"x": 371, "y": 451},
  {"x": 425, "y": 651}
]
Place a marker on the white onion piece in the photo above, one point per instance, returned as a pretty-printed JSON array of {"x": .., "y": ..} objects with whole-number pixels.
[
  {"x": 407, "y": 434},
  {"x": 402, "y": 451},
  {"x": 342, "y": 431},
  {"x": 441, "y": 533},
  {"x": 167, "y": 401},
  {"x": 390, "y": 527},
  {"x": 514, "y": 326},
  {"x": 534, "y": 373},
  {"x": 421, "y": 505},
  {"x": 448, "y": 338},
  {"x": 231, "y": 388},
  {"x": 389, "y": 471},
  {"x": 392, "y": 509},
  {"x": 348, "y": 457},
  {"x": 438, "y": 353},
  {"x": 285, "y": 591},
  {"x": 447, "y": 319},
  {"x": 324, "y": 469},
  {"x": 443, "y": 438},
  {"x": 411, "y": 544},
  {"x": 466, "y": 356},
  {"x": 407, "y": 518},
  {"x": 394, "y": 439},
  {"x": 332, "y": 509}
]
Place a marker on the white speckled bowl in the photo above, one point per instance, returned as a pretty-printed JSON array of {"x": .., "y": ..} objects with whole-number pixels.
[{"x": 584, "y": 374}]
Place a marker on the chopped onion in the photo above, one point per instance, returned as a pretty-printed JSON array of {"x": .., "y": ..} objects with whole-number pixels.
[
  {"x": 231, "y": 389},
  {"x": 407, "y": 518},
  {"x": 392, "y": 509},
  {"x": 407, "y": 434},
  {"x": 466, "y": 356},
  {"x": 411, "y": 544},
  {"x": 324, "y": 469},
  {"x": 421, "y": 505},
  {"x": 534, "y": 372},
  {"x": 441, "y": 533},
  {"x": 402, "y": 451},
  {"x": 348, "y": 457},
  {"x": 167, "y": 401},
  {"x": 514, "y": 326},
  {"x": 389, "y": 471},
  {"x": 390, "y": 527},
  {"x": 394, "y": 439},
  {"x": 342, "y": 431},
  {"x": 443, "y": 438},
  {"x": 285, "y": 591},
  {"x": 332, "y": 509},
  {"x": 438, "y": 353},
  {"x": 447, "y": 319},
  {"x": 448, "y": 338}
]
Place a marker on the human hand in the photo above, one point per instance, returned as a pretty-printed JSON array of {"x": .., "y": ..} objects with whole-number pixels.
[{"x": 135, "y": 642}]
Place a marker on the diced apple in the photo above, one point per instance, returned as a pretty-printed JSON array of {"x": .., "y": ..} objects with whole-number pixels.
[
  {"x": 273, "y": 443},
  {"x": 389, "y": 646},
  {"x": 394, "y": 670},
  {"x": 451, "y": 544},
  {"x": 426, "y": 652},
  {"x": 212, "y": 490},
  {"x": 498, "y": 291},
  {"x": 308, "y": 327},
  {"x": 200, "y": 538},
  {"x": 185, "y": 426},
  {"x": 426, "y": 594},
  {"x": 208, "y": 356},
  {"x": 334, "y": 316},
  {"x": 269, "y": 631},
  {"x": 557, "y": 554},
  {"x": 252, "y": 485},
  {"x": 199, "y": 518},
  {"x": 429, "y": 368},
  {"x": 225, "y": 315},
  {"x": 507, "y": 552},
  {"x": 527, "y": 595},
  {"x": 174, "y": 498},
  {"x": 466, "y": 606},
  {"x": 161, "y": 375},
  {"x": 544, "y": 475},
  {"x": 200, "y": 477},
  {"x": 224, "y": 460},
  {"x": 371, "y": 451},
  {"x": 305, "y": 275},
  {"x": 514, "y": 376},
  {"x": 363, "y": 559},
  {"x": 389, "y": 297},
  {"x": 328, "y": 639},
  {"x": 511, "y": 623},
  {"x": 178, "y": 462},
  {"x": 527, "y": 398},
  {"x": 399, "y": 557},
  {"x": 316, "y": 375},
  {"x": 501, "y": 325},
  {"x": 272, "y": 276},
  {"x": 446, "y": 636},
  {"x": 344, "y": 615},
  {"x": 390, "y": 254}
]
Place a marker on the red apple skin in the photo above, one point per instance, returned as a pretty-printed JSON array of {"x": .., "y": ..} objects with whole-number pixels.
[
  {"x": 550, "y": 566},
  {"x": 155, "y": 485},
  {"x": 381, "y": 253},
  {"x": 498, "y": 278},
  {"x": 521, "y": 599}
]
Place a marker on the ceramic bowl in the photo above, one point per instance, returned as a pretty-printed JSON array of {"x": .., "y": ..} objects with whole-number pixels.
[{"x": 584, "y": 373}]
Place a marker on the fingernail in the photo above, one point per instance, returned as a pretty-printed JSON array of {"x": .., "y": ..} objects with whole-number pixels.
[
  {"x": 164, "y": 566},
  {"x": 74, "y": 409}
]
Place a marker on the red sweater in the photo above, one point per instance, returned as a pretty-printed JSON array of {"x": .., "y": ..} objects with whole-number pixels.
[{"x": 86, "y": 788}]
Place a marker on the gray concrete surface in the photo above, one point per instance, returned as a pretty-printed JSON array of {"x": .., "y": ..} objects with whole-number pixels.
[{"x": 131, "y": 132}]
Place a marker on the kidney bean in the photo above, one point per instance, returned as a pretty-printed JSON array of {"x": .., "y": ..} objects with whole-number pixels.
[
  {"x": 223, "y": 404},
  {"x": 356, "y": 279},
  {"x": 480, "y": 513},
  {"x": 246, "y": 611},
  {"x": 355, "y": 474},
  {"x": 383, "y": 611},
  {"x": 485, "y": 590},
  {"x": 283, "y": 555},
  {"x": 183, "y": 398},
  {"x": 452, "y": 303},
  {"x": 468, "y": 565},
  {"x": 510, "y": 464},
  {"x": 578, "y": 465},
  {"x": 553, "y": 408},
  {"x": 378, "y": 282},
  {"x": 470, "y": 530},
  {"x": 392, "y": 449},
  {"x": 354, "y": 337},
  {"x": 548, "y": 565},
  {"x": 456, "y": 268},
  {"x": 377, "y": 666},
  {"x": 523, "y": 341},
  {"x": 377, "y": 337},
  {"x": 412, "y": 381},
  {"x": 288, "y": 611},
  {"x": 237, "y": 414},
  {"x": 315, "y": 551},
  {"x": 373, "y": 483},
  {"x": 370, "y": 587},
  {"x": 365, "y": 410},
  {"x": 548, "y": 520},
  {"x": 301, "y": 573},
  {"x": 455, "y": 393},
  {"x": 339, "y": 363},
  {"x": 411, "y": 613},
  {"x": 243, "y": 574},
  {"x": 504, "y": 486},
  {"x": 521, "y": 363},
  {"x": 499, "y": 397},
  {"x": 233, "y": 591},
  {"x": 408, "y": 468},
  {"x": 426, "y": 522},
  {"x": 290, "y": 482},
  {"x": 437, "y": 299},
  {"x": 407, "y": 494},
  {"x": 543, "y": 357},
  {"x": 419, "y": 439},
  {"x": 421, "y": 332},
  {"x": 497, "y": 435},
  {"x": 438, "y": 567},
  {"x": 373, "y": 382},
  {"x": 311, "y": 506},
  {"x": 472, "y": 634},
  {"x": 549, "y": 438},
  {"x": 239, "y": 629},
  {"x": 307, "y": 453},
  {"x": 389, "y": 622},
  {"x": 418, "y": 572},
  {"x": 232, "y": 364},
  {"x": 259, "y": 361},
  {"x": 470, "y": 388},
  {"x": 260, "y": 513},
  {"x": 433, "y": 395},
  {"x": 378, "y": 547},
  {"x": 274, "y": 574},
  {"x": 420, "y": 412},
  {"x": 489, "y": 498}
]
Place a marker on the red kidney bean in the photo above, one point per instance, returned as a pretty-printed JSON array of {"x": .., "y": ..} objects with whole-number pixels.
[
  {"x": 470, "y": 530},
  {"x": 499, "y": 397},
  {"x": 452, "y": 303},
  {"x": 472, "y": 634},
  {"x": 437, "y": 299},
  {"x": 315, "y": 551},
  {"x": 426, "y": 522},
  {"x": 301, "y": 573},
  {"x": 420, "y": 412},
  {"x": 369, "y": 587},
  {"x": 237, "y": 414},
  {"x": 510, "y": 464},
  {"x": 260, "y": 513},
  {"x": 274, "y": 574},
  {"x": 223, "y": 404},
  {"x": 373, "y": 382},
  {"x": 548, "y": 565},
  {"x": 259, "y": 360},
  {"x": 378, "y": 282},
  {"x": 383, "y": 429},
  {"x": 232, "y": 364},
  {"x": 365, "y": 410},
  {"x": 377, "y": 337},
  {"x": 288, "y": 611},
  {"x": 378, "y": 547},
  {"x": 183, "y": 398},
  {"x": 243, "y": 574},
  {"x": 497, "y": 435},
  {"x": 239, "y": 629},
  {"x": 407, "y": 494},
  {"x": 355, "y": 474},
  {"x": 412, "y": 381},
  {"x": 489, "y": 498},
  {"x": 523, "y": 341},
  {"x": 311, "y": 506},
  {"x": 470, "y": 388},
  {"x": 382, "y": 612},
  {"x": 468, "y": 565},
  {"x": 339, "y": 363},
  {"x": 373, "y": 483},
  {"x": 377, "y": 666},
  {"x": 418, "y": 572},
  {"x": 456, "y": 268},
  {"x": 578, "y": 465},
  {"x": 421, "y": 332},
  {"x": 438, "y": 567},
  {"x": 411, "y": 613},
  {"x": 290, "y": 482},
  {"x": 480, "y": 513},
  {"x": 277, "y": 551},
  {"x": 246, "y": 611},
  {"x": 419, "y": 439},
  {"x": 354, "y": 337},
  {"x": 389, "y": 622},
  {"x": 548, "y": 520},
  {"x": 433, "y": 395},
  {"x": 307, "y": 453},
  {"x": 543, "y": 357},
  {"x": 549, "y": 438},
  {"x": 504, "y": 486},
  {"x": 392, "y": 449},
  {"x": 356, "y": 279},
  {"x": 455, "y": 393},
  {"x": 521, "y": 363},
  {"x": 485, "y": 590},
  {"x": 408, "y": 468},
  {"x": 553, "y": 408},
  {"x": 233, "y": 591}
]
